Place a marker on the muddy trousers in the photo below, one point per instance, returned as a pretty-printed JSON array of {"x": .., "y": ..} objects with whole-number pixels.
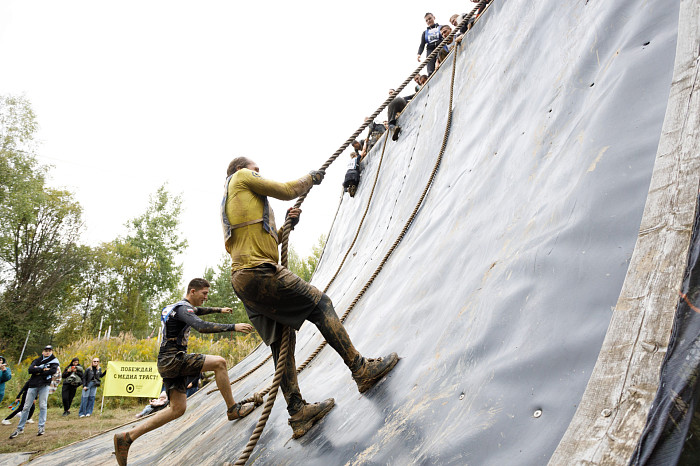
[{"x": 326, "y": 320}]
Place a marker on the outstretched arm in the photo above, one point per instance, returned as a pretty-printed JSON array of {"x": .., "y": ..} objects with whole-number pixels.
[
  {"x": 202, "y": 311},
  {"x": 283, "y": 191},
  {"x": 208, "y": 327}
]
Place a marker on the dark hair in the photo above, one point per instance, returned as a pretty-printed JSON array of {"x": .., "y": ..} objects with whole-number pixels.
[
  {"x": 3, "y": 359},
  {"x": 197, "y": 284},
  {"x": 236, "y": 164},
  {"x": 426, "y": 15},
  {"x": 74, "y": 359}
]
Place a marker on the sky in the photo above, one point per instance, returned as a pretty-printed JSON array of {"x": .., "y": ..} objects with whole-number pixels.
[{"x": 133, "y": 95}]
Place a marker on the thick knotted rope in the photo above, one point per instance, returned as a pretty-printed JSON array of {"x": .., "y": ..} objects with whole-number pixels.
[{"x": 272, "y": 390}]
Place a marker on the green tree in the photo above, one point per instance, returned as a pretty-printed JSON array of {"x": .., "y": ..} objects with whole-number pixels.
[
  {"x": 305, "y": 267},
  {"x": 40, "y": 260},
  {"x": 136, "y": 276},
  {"x": 221, "y": 293}
]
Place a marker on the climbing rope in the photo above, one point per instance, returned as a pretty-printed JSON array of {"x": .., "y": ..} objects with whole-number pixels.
[
  {"x": 362, "y": 220},
  {"x": 255, "y": 397},
  {"x": 245, "y": 455},
  {"x": 257, "y": 432},
  {"x": 287, "y": 224},
  {"x": 272, "y": 390}
]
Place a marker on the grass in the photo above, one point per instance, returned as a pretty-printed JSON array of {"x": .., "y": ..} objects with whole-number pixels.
[{"x": 61, "y": 431}]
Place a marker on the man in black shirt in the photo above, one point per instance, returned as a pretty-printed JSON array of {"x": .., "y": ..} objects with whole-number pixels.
[
  {"x": 175, "y": 364},
  {"x": 42, "y": 370}
]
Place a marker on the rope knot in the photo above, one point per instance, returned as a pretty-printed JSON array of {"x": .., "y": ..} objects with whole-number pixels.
[{"x": 257, "y": 399}]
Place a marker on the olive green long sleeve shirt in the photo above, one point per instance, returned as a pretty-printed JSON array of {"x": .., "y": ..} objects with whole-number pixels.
[{"x": 250, "y": 245}]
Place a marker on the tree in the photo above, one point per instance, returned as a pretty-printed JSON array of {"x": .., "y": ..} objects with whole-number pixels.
[
  {"x": 305, "y": 268},
  {"x": 221, "y": 294},
  {"x": 136, "y": 276},
  {"x": 40, "y": 260}
]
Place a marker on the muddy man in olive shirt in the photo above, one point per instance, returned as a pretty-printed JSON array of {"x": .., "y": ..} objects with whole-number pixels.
[{"x": 273, "y": 296}]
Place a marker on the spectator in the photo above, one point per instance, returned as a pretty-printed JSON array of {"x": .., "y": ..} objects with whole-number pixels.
[
  {"x": 446, "y": 46},
  {"x": 5, "y": 375},
  {"x": 429, "y": 39},
  {"x": 72, "y": 379},
  {"x": 192, "y": 385},
  {"x": 352, "y": 176},
  {"x": 91, "y": 380},
  {"x": 416, "y": 78},
  {"x": 155, "y": 404},
  {"x": 420, "y": 80},
  {"x": 455, "y": 20},
  {"x": 357, "y": 146},
  {"x": 42, "y": 370},
  {"x": 21, "y": 396}
]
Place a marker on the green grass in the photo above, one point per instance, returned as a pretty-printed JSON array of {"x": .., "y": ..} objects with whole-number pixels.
[{"x": 60, "y": 430}]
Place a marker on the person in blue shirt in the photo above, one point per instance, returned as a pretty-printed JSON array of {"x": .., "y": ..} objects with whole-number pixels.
[{"x": 5, "y": 375}]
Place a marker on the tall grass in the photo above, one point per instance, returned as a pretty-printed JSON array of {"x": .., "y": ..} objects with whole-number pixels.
[{"x": 126, "y": 347}]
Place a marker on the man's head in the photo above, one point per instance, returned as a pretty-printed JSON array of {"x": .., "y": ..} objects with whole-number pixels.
[
  {"x": 47, "y": 351},
  {"x": 445, "y": 30},
  {"x": 241, "y": 162},
  {"x": 197, "y": 291},
  {"x": 356, "y": 145},
  {"x": 454, "y": 20},
  {"x": 429, "y": 19},
  {"x": 423, "y": 79}
]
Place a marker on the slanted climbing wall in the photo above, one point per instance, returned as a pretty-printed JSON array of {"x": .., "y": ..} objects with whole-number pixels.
[{"x": 499, "y": 297}]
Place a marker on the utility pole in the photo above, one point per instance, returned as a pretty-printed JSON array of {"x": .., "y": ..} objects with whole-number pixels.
[
  {"x": 99, "y": 333},
  {"x": 24, "y": 347}
]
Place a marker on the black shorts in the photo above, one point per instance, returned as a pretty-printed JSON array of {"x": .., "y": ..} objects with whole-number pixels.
[{"x": 176, "y": 366}]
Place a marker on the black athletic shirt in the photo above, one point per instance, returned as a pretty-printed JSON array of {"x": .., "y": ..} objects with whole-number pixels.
[{"x": 180, "y": 317}]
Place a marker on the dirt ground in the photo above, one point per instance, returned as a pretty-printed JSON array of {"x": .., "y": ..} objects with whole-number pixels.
[{"x": 61, "y": 430}]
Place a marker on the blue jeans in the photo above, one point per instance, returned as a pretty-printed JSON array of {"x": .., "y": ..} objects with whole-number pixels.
[
  {"x": 41, "y": 393},
  {"x": 87, "y": 402}
]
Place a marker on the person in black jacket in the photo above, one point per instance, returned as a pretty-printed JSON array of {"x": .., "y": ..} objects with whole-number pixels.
[
  {"x": 42, "y": 370},
  {"x": 91, "y": 380},
  {"x": 72, "y": 379},
  {"x": 21, "y": 396},
  {"x": 429, "y": 39},
  {"x": 175, "y": 365}
]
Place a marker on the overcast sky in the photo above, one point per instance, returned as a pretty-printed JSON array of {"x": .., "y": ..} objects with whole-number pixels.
[{"x": 131, "y": 95}]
